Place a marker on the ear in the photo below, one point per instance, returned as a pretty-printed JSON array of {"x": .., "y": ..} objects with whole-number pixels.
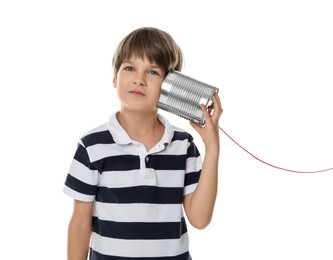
[{"x": 114, "y": 81}]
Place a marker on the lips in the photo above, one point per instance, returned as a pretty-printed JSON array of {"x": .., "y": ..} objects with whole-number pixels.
[{"x": 136, "y": 93}]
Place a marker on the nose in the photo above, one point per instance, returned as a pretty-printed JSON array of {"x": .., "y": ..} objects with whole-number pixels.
[{"x": 139, "y": 79}]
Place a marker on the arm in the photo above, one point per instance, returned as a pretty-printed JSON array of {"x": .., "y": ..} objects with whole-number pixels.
[
  {"x": 199, "y": 205},
  {"x": 79, "y": 231}
]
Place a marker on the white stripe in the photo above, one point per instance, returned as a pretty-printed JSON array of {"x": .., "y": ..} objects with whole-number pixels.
[
  {"x": 78, "y": 196},
  {"x": 84, "y": 174},
  {"x": 190, "y": 188},
  {"x": 97, "y": 129},
  {"x": 138, "y": 212},
  {"x": 100, "y": 151},
  {"x": 178, "y": 147},
  {"x": 140, "y": 248},
  {"x": 193, "y": 164},
  {"x": 116, "y": 179}
]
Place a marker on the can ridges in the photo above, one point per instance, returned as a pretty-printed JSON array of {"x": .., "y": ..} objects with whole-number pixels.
[{"x": 182, "y": 96}]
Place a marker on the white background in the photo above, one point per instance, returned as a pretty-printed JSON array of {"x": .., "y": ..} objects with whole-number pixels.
[{"x": 273, "y": 63}]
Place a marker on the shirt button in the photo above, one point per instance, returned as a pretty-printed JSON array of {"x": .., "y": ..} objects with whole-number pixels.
[{"x": 147, "y": 158}]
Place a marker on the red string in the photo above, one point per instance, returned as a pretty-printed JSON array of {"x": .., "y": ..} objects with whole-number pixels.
[{"x": 277, "y": 167}]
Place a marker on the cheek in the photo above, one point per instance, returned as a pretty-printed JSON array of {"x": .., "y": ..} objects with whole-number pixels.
[
  {"x": 157, "y": 95},
  {"x": 157, "y": 89}
]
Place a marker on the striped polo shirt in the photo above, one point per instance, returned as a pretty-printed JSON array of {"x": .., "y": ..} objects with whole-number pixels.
[{"x": 138, "y": 194}]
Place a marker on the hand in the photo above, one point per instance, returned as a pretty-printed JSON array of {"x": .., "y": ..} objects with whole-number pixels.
[{"x": 210, "y": 131}]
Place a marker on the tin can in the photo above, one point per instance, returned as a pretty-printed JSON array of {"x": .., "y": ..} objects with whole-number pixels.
[{"x": 182, "y": 95}]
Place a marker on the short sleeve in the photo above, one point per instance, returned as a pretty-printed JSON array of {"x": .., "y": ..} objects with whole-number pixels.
[
  {"x": 82, "y": 178},
  {"x": 193, "y": 168}
]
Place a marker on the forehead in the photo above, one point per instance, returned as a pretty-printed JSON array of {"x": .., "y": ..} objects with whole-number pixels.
[{"x": 141, "y": 60}]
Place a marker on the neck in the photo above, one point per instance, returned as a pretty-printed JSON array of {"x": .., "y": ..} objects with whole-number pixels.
[
  {"x": 144, "y": 128},
  {"x": 137, "y": 124}
]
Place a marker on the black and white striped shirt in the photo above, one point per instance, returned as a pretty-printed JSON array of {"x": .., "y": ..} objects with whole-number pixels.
[{"x": 138, "y": 194}]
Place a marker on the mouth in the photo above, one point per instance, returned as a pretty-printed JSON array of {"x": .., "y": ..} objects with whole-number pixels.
[{"x": 136, "y": 93}]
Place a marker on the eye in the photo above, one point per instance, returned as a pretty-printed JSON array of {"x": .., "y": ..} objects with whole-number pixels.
[
  {"x": 128, "y": 68},
  {"x": 154, "y": 72}
]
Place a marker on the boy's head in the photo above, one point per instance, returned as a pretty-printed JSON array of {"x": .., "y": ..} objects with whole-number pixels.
[{"x": 154, "y": 44}]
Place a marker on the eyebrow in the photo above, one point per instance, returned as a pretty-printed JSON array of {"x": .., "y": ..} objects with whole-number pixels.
[{"x": 153, "y": 66}]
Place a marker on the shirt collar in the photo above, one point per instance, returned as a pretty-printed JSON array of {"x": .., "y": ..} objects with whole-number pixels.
[
  {"x": 168, "y": 130},
  {"x": 120, "y": 136},
  {"x": 118, "y": 133}
]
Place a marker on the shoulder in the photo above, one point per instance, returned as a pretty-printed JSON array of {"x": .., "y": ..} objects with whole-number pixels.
[
  {"x": 181, "y": 134},
  {"x": 183, "y": 137},
  {"x": 97, "y": 135}
]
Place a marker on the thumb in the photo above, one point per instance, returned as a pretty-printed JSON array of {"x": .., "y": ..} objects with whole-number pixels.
[{"x": 196, "y": 126}]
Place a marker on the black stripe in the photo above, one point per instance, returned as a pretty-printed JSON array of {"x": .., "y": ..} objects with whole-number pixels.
[
  {"x": 103, "y": 137},
  {"x": 181, "y": 136},
  {"x": 82, "y": 156},
  {"x": 140, "y": 194},
  {"x": 139, "y": 230},
  {"x": 97, "y": 256},
  {"x": 118, "y": 163},
  {"x": 192, "y": 177},
  {"x": 192, "y": 151},
  {"x": 80, "y": 186},
  {"x": 167, "y": 162}
]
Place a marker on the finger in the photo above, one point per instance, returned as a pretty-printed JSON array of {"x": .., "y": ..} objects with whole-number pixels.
[
  {"x": 210, "y": 110},
  {"x": 216, "y": 101},
  {"x": 196, "y": 126},
  {"x": 217, "y": 108},
  {"x": 207, "y": 115},
  {"x": 205, "y": 111}
]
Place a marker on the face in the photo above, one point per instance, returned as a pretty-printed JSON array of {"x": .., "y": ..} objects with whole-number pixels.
[{"x": 138, "y": 84}]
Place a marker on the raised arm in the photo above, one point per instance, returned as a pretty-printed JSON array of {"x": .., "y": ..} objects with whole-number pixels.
[{"x": 199, "y": 205}]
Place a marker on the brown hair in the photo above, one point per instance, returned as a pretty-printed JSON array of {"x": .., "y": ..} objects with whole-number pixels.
[{"x": 157, "y": 45}]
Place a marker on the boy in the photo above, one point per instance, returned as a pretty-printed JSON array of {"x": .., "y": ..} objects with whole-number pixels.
[{"x": 131, "y": 177}]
